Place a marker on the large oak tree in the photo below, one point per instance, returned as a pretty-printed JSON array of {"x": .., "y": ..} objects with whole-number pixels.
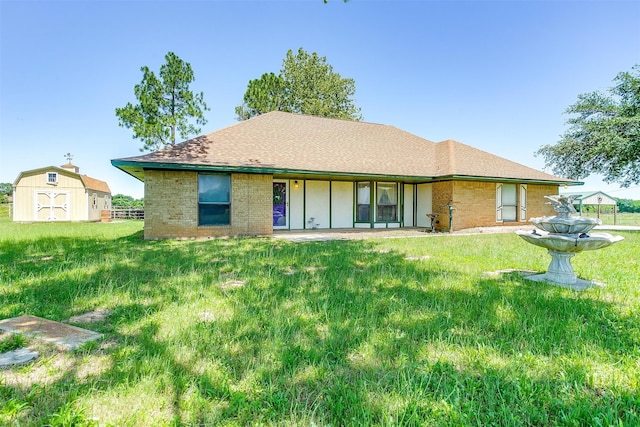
[
  {"x": 166, "y": 106},
  {"x": 306, "y": 84},
  {"x": 603, "y": 135}
]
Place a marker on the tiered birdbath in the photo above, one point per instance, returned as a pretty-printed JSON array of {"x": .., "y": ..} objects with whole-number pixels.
[{"x": 564, "y": 236}]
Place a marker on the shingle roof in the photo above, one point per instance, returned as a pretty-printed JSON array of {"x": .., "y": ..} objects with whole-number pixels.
[
  {"x": 88, "y": 182},
  {"x": 95, "y": 184},
  {"x": 295, "y": 143}
]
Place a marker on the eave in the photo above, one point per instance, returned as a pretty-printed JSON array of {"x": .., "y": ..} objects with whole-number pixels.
[{"x": 136, "y": 169}]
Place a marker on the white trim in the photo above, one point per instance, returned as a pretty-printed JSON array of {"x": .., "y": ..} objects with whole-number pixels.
[
  {"x": 498, "y": 202},
  {"x": 55, "y": 178},
  {"x": 51, "y": 206},
  {"x": 523, "y": 202}
]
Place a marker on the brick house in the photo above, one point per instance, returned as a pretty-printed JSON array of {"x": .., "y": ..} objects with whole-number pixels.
[
  {"x": 291, "y": 171},
  {"x": 59, "y": 194}
]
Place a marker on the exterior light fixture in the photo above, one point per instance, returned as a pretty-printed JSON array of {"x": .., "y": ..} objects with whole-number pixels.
[{"x": 295, "y": 184}]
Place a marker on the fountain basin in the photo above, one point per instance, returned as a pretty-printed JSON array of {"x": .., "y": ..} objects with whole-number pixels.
[
  {"x": 563, "y": 237},
  {"x": 565, "y": 225},
  {"x": 570, "y": 242}
]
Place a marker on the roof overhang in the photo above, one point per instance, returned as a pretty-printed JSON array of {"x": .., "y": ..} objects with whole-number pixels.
[
  {"x": 137, "y": 170},
  {"x": 510, "y": 179}
]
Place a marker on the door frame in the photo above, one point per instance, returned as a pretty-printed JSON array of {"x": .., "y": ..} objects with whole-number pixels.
[{"x": 286, "y": 204}]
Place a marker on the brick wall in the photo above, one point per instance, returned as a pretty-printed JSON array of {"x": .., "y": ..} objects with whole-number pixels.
[
  {"x": 537, "y": 204},
  {"x": 441, "y": 195},
  {"x": 474, "y": 203},
  {"x": 171, "y": 206}
]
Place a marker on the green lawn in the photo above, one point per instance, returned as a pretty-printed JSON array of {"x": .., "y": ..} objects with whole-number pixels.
[
  {"x": 624, "y": 218},
  {"x": 259, "y": 331}
]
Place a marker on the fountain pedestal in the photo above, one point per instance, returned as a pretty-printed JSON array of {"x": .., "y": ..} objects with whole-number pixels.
[
  {"x": 564, "y": 236},
  {"x": 560, "y": 269},
  {"x": 561, "y": 273}
]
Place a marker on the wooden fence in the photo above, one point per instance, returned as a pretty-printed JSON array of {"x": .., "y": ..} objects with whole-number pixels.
[
  {"x": 620, "y": 218},
  {"x": 127, "y": 213}
]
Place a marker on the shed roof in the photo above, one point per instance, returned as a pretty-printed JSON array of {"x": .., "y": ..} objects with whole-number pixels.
[
  {"x": 279, "y": 142},
  {"x": 592, "y": 198},
  {"x": 88, "y": 182}
]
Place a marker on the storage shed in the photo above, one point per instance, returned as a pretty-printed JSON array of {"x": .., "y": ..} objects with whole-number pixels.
[
  {"x": 597, "y": 198},
  {"x": 59, "y": 194}
]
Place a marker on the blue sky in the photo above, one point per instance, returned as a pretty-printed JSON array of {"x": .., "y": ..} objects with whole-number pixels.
[{"x": 496, "y": 75}]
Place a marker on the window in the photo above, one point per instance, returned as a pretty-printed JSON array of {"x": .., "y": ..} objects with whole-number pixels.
[
  {"x": 387, "y": 198},
  {"x": 214, "y": 199},
  {"x": 95, "y": 201},
  {"x": 506, "y": 202},
  {"x": 364, "y": 202},
  {"x": 52, "y": 177}
]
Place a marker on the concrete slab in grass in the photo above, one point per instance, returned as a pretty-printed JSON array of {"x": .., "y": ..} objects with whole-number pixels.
[
  {"x": 65, "y": 336},
  {"x": 20, "y": 356}
]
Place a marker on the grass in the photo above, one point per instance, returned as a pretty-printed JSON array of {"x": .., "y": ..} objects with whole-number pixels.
[
  {"x": 258, "y": 331},
  {"x": 624, "y": 218}
]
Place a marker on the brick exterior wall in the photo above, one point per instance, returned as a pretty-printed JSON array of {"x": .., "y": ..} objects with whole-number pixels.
[
  {"x": 441, "y": 195},
  {"x": 474, "y": 203},
  {"x": 171, "y": 206},
  {"x": 537, "y": 204}
]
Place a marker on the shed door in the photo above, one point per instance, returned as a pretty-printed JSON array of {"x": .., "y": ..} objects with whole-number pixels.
[{"x": 51, "y": 206}]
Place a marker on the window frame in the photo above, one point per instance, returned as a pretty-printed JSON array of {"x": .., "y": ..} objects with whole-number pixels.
[
  {"x": 382, "y": 218},
  {"x": 359, "y": 205},
  {"x": 52, "y": 178},
  {"x": 217, "y": 203}
]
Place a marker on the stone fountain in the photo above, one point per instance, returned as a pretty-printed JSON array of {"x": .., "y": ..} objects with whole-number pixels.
[{"x": 564, "y": 236}]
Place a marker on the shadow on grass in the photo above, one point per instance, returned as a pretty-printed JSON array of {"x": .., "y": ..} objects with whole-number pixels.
[{"x": 328, "y": 332}]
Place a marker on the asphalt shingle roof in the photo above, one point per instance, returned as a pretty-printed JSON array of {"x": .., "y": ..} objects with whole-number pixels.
[
  {"x": 88, "y": 182},
  {"x": 307, "y": 144}
]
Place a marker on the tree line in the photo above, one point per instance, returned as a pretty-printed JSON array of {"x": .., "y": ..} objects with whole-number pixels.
[{"x": 122, "y": 201}]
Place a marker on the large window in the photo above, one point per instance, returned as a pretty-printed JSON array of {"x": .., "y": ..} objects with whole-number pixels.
[
  {"x": 364, "y": 202},
  {"x": 387, "y": 198},
  {"x": 214, "y": 199}
]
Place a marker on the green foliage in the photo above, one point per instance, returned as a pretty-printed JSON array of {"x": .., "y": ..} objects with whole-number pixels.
[
  {"x": 69, "y": 415},
  {"x": 378, "y": 332},
  {"x": 165, "y": 105},
  {"x": 263, "y": 95},
  {"x": 6, "y": 188},
  {"x": 12, "y": 342},
  {"x": 603, "y": 135},
  {"x": 306, "y": 84},
  {"x": 122, "y": 201},
  {"x": 628, "y": 205}
]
